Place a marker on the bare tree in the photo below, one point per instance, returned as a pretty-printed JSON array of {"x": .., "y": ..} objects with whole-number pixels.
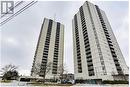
[
  {"x": 61, "y": 71},
  {"x": 9, "y": 71},
  {"x": 7, "y": 68},
  {"x": 48, "y": 68},
  {"x": 37, "y": 70}
]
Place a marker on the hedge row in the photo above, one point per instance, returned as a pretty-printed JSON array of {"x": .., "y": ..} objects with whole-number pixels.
[{"x": 115, "y": 82}]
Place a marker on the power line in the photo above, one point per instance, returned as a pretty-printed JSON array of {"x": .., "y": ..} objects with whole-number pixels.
[{"x": 18, "y": 12}]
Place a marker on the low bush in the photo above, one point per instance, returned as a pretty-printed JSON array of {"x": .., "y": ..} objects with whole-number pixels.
[{"x": 115, "y": 82}]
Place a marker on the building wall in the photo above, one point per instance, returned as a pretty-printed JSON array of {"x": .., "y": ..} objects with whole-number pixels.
[
  {"x": 102, "y": 57},
  {"x": 38, "y": 58},
  {"x": 116, "y": 46},
  {"x": 40, "y": 46}
]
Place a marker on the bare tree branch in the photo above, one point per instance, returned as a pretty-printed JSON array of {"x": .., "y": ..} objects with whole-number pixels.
[
  {"x": 7, "y": 68},
  {"x": 61, "y": 70},
  {"x": 37, "y": 68}
]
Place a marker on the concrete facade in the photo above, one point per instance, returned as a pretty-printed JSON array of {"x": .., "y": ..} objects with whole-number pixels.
[
  {"x": 49, "y": 51},
  {"x": 96, "y": 52}
]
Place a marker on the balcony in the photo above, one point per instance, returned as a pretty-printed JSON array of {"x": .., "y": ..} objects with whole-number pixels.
[
  {"x": 114, "y": 55},
  {"x": 115, "y": 59},
  {"x": 86, "y": 43},
  {"x": 111, "y": 47},
  {"x": 89, "y": 63},
  {"x": 43, "y": 64},
  {"x": 86, "y": 38},
  {"x": 118, "y": 68},
  {"x": 90, "y": 68},
  {"x": 117, "y": 63},
  {"x": 79, "y": 63},
  {"x": 84, "y": 30},
  {"x": 78, "y": 54},
  {"x": 88, "y": 52},
  {"x": 79, "y": 70},
  {"x": 89, "y": 56},
  {"x": 91, "y": 73},
  {"x": 54, "y": 72},
  {"x": 107, "y": 34},
  {"x": 78, "y": 51},
  {"x": 108, "y": 38},
  {"x": 79, "y": 67},
  {"x": 109, "y": 41},
  {"x": 45, "y": 53},
  {"x": 103, "y": 24},
  {"x": 85, "y": 34},
  {"x": 113, "y": 52},
  {"x": 55, "y": 58},
  {"x": 79, "y": 60},
  {"x": 55, "y": 61},
  {"x": 104, "y": 27},
  {"x": 79, "y": 57},
  {"x": 44, "y": 56},
  {"x": 44, "y": 59},
  {"x": 54, "y": 67},
  {"x": 120, "y": 73},
  {"x": 110, "y": 44},
  {"x": 89, "y": 59}
]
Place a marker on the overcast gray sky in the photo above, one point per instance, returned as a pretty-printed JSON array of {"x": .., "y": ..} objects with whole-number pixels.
[{"x": 20, "y": 35}]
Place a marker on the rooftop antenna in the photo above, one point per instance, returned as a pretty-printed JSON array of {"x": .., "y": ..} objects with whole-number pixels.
[{"x": 55, "y": 17}]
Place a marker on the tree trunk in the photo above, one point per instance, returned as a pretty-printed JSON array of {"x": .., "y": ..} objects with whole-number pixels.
[{"x": 43, "y": 79}]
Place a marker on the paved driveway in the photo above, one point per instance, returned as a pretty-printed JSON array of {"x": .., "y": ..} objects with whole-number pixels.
[
  {"x": 13, "y": 83},
  {"x": 17, "y": 83}
]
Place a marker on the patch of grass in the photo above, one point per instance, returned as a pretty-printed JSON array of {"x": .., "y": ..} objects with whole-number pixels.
[{"x": 5, "y": 81}]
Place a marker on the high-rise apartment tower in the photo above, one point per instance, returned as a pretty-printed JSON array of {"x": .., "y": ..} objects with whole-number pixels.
[
  {"x": 49, "y": 51},
  {"x": 96, "y": 52}
]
